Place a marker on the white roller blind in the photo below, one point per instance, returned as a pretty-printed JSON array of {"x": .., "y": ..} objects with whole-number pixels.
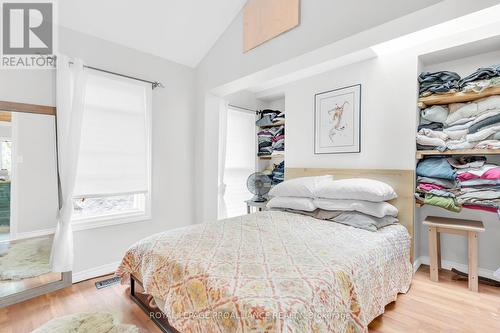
[{"x": 114, "y": 145}]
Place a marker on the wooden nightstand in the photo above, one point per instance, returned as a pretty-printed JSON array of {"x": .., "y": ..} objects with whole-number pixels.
[{"x": 259, "y": 206}]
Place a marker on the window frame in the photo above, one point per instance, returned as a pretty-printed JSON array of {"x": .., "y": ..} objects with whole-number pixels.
[{"x": 92, "y": 222}]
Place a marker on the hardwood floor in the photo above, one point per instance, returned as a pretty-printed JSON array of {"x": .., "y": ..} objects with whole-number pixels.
[
  {"x": 447, "y": 306},
  {"x": 81, "y": 297},
  {"x": 444, "y": 306}
]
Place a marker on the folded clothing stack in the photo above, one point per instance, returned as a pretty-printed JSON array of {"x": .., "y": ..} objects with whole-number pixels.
[
  {"x": 445, "y": 82},
  {"x": 270, "y": 117},
  {"x": 453, "y": 183},
  {"x": 271, "y": 139},
  {"x": 278, "y": 173},
  {"x": 461, "y": 125},
  {"x": 479, "y": 183},
  {"x": 359, "y": 203},
  {"x": 438, "y": 82}
]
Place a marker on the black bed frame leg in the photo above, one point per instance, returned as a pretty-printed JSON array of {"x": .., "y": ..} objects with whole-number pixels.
[{"x": 154, "y": 315}]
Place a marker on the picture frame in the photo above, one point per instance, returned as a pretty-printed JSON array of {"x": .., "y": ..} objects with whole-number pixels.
[{"x": 337, "y": 121}]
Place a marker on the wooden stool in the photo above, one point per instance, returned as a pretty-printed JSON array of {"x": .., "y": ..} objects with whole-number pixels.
[{"x": 466, "y": 228}]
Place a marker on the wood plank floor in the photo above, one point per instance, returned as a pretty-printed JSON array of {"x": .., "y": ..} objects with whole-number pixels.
[{"x": 447, "y": 306}]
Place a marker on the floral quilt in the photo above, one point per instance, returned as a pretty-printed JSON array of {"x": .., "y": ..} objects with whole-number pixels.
[{"x": 272, "y": 272}]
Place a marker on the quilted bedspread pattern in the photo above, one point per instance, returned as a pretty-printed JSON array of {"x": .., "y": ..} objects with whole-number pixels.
[{"x": 272, "y": 272}]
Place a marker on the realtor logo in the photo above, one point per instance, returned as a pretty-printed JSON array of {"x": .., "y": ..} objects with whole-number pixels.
[
  {"x": 27, "y": 34},
  {"x": 27, "y": 28}
]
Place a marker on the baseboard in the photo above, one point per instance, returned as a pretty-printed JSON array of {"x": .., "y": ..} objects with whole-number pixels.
[
  {"x": 30, "y": 234},
  {"x": 446, "y": 264},
  {"x": 416, "y": 264},
  {"x": 95, "y": 272}
]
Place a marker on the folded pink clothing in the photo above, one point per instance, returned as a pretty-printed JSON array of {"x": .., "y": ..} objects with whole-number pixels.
[
  {"x": 428, "y": 187},
  {"x": 467, "y": 176},
  {"x": 478, "y": 207},
  {"x": 492, "y": 174}
]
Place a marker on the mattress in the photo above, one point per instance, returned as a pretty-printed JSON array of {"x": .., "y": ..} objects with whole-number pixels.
[{"x": 272, "y": 271}]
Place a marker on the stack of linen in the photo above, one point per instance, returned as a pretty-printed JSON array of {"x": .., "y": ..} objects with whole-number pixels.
[
  {"x": 279, "y": 141},
  {"x": 265, "y": 140},
  {"x": 446, "y": 82},
  {"x": 270, "y": 117},
  {"x": 438, "y": 82},
  {"x": 453, "y": 183},
  {"x": 436, "y": 183},
  {"x": 359, "y": 203},
  {"x": 479, "y": 183},
  {"x": 460, "y": 125},
  {"x": 270, "y": 140},
  {"x": 276, "y": 172}
]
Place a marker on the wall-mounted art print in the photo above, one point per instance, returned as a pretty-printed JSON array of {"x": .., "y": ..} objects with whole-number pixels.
[{"x": 337, "y": 121}]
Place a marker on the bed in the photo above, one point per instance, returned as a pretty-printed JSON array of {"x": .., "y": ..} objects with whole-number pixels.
[{"x": 274, "y": 271}]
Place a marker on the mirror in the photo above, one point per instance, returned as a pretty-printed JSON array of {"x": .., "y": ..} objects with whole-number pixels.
[{"x": 28, "y": 203}]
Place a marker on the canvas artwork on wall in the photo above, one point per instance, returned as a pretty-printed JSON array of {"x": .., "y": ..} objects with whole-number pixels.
[{"x": 337, "y": 121}]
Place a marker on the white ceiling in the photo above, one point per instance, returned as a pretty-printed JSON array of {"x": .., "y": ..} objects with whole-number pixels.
[{"x": 179, "y": 30}]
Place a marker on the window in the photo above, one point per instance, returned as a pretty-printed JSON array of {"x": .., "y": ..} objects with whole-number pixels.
[
  {"x": 240, "y": 159},
  {"x": 113, "y": 175}
]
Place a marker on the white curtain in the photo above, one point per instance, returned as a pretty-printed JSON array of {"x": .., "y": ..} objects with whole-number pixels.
[
  {"x": 221, "y": 205},
  {"x": 70, "y": 95}
]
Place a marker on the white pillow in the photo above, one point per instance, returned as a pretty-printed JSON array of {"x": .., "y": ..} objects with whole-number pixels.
[
  {"x": 305, "y": 204},
  {"x": 377, "y": 209},
  {"x": 299, "y": 187},
  {"x": 356, "y": 189}
]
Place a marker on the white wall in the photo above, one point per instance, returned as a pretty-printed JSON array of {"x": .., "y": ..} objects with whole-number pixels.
[
  {"x": 5, "y": 130},
  {"x": 385, "y": 115},
  {"x": 172, "y": 151},
  {"x": 277, "y": 104},
  {"x": 34, "y": 192}
]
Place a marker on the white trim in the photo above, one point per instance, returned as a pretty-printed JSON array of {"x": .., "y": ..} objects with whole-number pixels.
[
  {"x": 14, "y": 193},
  {"x": 110, "y": 220},
  {"x": 29, "y": 234},
  {"x": 416, "y": 264},
  {"x": 93, "y": 223},
  {"x": 446, "y": 264},
  {"x": 95, "y": 272}
]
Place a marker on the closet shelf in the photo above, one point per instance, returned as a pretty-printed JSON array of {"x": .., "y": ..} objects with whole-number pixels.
[
  {"x": 423, "y": 153},
  {"x": 279, "y": 123},
  {"x": 459, "y": 97}
]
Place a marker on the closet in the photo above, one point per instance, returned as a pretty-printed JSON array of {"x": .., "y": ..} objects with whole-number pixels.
[
  {"x": 457, "y": 143},
  {"x": 272, "y": 136}
]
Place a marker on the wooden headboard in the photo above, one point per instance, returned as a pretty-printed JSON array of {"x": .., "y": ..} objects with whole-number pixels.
[{"x": 401, "y": 180}]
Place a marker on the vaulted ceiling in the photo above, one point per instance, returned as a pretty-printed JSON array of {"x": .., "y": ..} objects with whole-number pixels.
[{"x": 179, "y": 30}]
